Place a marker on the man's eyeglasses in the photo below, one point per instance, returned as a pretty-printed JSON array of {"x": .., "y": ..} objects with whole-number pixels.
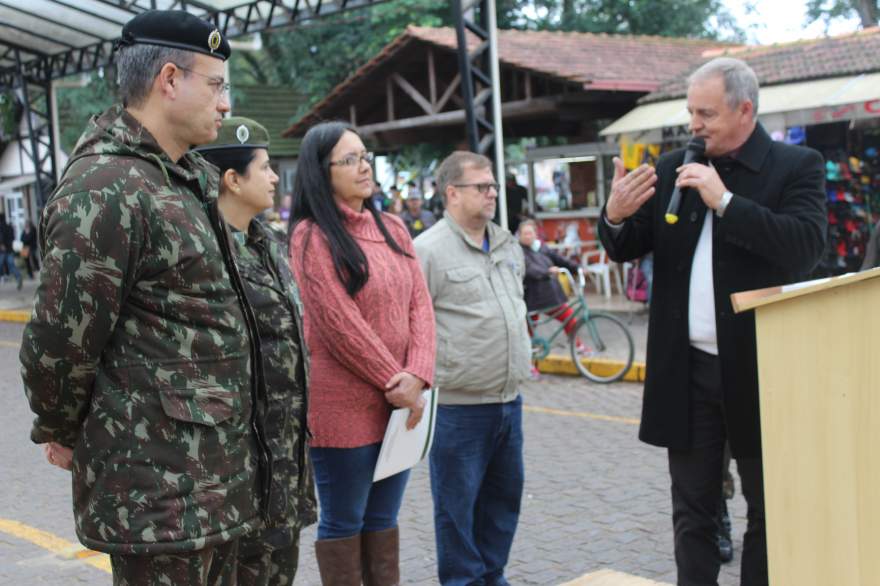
[
  {"x": 483, "y": 188},
  {"x": 351, "y": 160},
  {"x": 218, "y": 84}
]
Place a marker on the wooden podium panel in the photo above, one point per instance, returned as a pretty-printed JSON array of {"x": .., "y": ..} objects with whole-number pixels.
[{"x": 819, "y": 373}]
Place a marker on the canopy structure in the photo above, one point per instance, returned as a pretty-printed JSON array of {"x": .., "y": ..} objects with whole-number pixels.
[
  {"x": 790, "y": 104},
  {"x": 802, "y": 83},
  {"x": 48, "y": 39},
  {"x": 44, "y": 40}
]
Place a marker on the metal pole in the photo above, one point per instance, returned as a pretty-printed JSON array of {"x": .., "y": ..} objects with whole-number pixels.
[
  {"x": 464, "y": 67},
  {"x": 56, "y": 129},
  {"x": 32, "y": 137},
  {"x": 496, "y": 113}
]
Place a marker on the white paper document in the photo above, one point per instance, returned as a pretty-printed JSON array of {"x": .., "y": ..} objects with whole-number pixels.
[{"x": 403, "y": 448}]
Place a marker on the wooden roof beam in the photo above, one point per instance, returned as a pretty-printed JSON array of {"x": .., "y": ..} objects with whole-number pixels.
[
  {"x": 515, "y": 109},
  {"x": 412, "y": 92}
]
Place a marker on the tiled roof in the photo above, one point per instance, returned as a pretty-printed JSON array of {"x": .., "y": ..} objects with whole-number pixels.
[
  {"x": 273, "y": 107},
  {"x": 798, "y": 61},
  {"x": 598, "y": 61}
]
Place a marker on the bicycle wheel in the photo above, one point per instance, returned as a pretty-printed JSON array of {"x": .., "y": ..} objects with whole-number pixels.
[{"x": 602, "y": 348}]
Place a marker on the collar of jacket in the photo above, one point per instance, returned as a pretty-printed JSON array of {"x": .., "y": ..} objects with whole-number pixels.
[
  {"x": 256, "y": 231},
  {"x": 754, "y": 150},
  {"x": 117, "y": 132},
  {"x": 497, "y": 235}
]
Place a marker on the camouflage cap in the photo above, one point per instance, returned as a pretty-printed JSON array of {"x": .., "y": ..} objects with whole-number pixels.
[
  {"x": 177, "y": 29},
  {"x": 238, "y": 132}
]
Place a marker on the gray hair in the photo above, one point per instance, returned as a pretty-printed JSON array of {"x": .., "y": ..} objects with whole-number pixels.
[
  {"x": 740, "y": 81},
  {"x": 138, "y": 65},
  {"x": 452, "y": 168}
]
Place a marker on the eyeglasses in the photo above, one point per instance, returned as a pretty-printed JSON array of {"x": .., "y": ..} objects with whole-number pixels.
[
  {"x": 483, "y": 188},
  {"x": 352, "y": 160},
  {"x": 218, "y": 84}
]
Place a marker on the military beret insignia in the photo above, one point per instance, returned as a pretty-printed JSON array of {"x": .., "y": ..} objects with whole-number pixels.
[
  {"x": 242, "y": 134},
  {"x": 214, "y": 40}
]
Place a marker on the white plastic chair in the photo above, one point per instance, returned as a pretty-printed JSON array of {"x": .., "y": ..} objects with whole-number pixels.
[{"x": 599, "y": 269}]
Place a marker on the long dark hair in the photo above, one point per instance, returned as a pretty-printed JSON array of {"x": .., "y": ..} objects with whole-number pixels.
[{"x": 313, "y": 200}]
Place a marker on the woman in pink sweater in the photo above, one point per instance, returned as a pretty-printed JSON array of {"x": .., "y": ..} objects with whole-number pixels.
[{"x": 369, "y": 326}]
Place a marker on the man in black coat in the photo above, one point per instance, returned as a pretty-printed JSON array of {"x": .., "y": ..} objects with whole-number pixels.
[{"x": 754, "y": 216}]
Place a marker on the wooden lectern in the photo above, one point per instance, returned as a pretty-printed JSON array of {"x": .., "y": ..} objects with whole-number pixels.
[{"x": 819, "y": 375}]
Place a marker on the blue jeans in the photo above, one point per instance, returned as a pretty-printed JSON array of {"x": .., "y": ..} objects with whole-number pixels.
[
  {"x": 8, "y": 259},
  {"x": 477, "y": 483},
  {"x": 350, "y": 502}
]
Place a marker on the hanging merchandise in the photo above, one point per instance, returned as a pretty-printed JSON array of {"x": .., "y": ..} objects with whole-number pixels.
[{"x": 853, "y": 198}]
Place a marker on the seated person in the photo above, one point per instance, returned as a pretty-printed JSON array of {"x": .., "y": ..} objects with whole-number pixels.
[{"x": 542, "y": 288}]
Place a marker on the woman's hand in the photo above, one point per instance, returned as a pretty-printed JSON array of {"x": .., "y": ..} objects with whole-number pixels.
[
  {"x": 405, "y": 390},
  {"x": 415, "y": 413}
]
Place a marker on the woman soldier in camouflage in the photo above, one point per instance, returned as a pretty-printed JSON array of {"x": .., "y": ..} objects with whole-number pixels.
[{"x": 247, "y": 186}]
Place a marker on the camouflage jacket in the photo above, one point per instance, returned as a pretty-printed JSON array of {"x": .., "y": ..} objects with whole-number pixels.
[
  {"x": 139, "y": 349},
  {"x": 268, "y": 283}
]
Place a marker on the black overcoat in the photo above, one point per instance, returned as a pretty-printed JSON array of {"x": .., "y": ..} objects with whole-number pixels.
[{"x": 772, "y": 233}]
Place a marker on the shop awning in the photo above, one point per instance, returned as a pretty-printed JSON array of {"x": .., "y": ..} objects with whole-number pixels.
[
  {"x": 779, "y": 107},
  {"x": 14, "y": 183}
]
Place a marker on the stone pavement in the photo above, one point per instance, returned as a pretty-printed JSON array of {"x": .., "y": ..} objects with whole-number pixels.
[
  {"x": 595, "y": 498},
  {"x": 16, "y": 305}
]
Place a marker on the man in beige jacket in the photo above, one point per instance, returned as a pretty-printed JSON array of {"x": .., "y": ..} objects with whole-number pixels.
[{"x": 475, "y": 272}]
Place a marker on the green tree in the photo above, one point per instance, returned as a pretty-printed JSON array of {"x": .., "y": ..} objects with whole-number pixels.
[
  {"x": 670, "y": 18},
  {"x": 315, "y": 57},
  {"x": 77, "y": 104},
  {"x": 868, "y": 11}
]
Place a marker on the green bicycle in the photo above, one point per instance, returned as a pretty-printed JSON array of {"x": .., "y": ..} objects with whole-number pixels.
[{"x": 601, "y": 345}]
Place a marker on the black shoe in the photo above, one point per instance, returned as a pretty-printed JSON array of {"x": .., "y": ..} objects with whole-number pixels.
[{"x": 725, "y": 549}]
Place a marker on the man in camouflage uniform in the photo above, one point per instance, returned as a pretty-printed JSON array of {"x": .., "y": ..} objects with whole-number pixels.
[
  {"x": 247, "y": 183},
  {"x": 137, "y": 360}
]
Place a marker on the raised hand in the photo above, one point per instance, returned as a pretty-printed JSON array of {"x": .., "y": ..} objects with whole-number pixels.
[
  {"x": 629, "y": 191},
  {"x": 704, "y": 179}
]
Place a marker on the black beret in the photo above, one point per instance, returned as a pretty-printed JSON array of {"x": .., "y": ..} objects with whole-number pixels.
[{"x": 177, "y": 29}]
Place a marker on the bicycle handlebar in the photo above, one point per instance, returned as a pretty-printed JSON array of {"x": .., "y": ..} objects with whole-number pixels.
[{"x": 581, "y": 280}]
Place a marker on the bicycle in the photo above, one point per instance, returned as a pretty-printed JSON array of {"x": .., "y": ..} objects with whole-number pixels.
[{"x": 602, "y": 347}]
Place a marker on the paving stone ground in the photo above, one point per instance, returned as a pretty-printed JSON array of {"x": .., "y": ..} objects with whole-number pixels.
[{"x": 595, "y": 496}]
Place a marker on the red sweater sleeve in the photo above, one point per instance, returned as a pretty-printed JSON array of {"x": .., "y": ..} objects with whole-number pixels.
[
  {"x": 420, "y": 357},
  {"x": 337, "y": 318}
]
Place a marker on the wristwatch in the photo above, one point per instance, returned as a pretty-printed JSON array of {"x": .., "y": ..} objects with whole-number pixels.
[{"x": 725, "y": 200}]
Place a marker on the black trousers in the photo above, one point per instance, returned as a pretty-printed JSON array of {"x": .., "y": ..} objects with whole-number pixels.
[{"x": 696, "y": 488}]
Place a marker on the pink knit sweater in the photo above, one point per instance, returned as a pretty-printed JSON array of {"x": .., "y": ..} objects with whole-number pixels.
[{"x": 357, "y": 344}]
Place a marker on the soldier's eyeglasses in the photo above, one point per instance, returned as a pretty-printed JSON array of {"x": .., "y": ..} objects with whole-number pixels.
[
  {"x": 483, "y": 188},
  {"x": 351, "y": 160},
  {"x": 218, "y": 84}
]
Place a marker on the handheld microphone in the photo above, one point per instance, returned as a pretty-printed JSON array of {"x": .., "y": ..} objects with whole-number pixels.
[{"x": 694, "y": 150}]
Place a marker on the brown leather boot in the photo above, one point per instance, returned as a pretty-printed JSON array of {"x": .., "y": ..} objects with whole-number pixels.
[
  {"x": 339, "y": 561},
  {"x": 380, "y": 557}
]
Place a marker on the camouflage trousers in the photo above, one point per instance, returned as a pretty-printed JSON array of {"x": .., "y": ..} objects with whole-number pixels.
[
  {"x": 212, "y": 566},
  {"x": 260, "y": 563}
]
